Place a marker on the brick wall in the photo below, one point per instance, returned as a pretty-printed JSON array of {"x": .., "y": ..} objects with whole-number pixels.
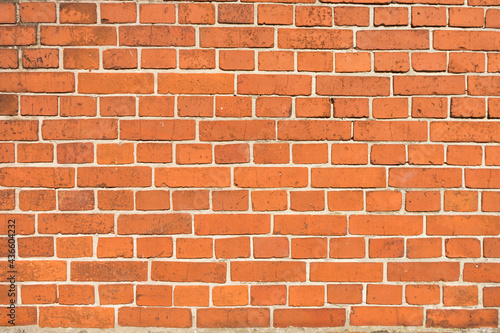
[{"x": 276, "y": 163}]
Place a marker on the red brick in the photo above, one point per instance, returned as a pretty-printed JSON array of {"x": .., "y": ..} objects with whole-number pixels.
[
  {"x": 231, "y": 318},
  {"x": 310, "y": 225},
  {"x": 235, "y": 247},
  {"x": 8, "y": 13},
  {"x": 387, "y": 108},
  {"x": 463, "y": 248},
  {"x": 308, "y": 38},
  {"x": 266, "y": 84},
  {"x": 80, "y": 129},
  {"x": 423, "y": 271},
  {"x": 276, "y": 61},
  {"x": 482, "y": 272},
  {"x": 491, "y": 296},
  {"x": 78, "y": 35},
  {"x": 421, "y": 294},
  {"x": 429, "y": 107},
  {"x": 36, "y": 247},
  {"x": 8, "y": 104},
  {"x": 236, "y": 37},
  {"x": 460, "y": 201},
  {"x": 230, "y": 200},
  {"x": 35, "y": 152},
  {"x": 78, "y": 13},
  {"x": 18, "y": 35},
  {"x": 37, "y": 12},
  {"x": 310, "y": 153},
  {"x": 269, "y": 200},
  {"x": 80, "y": 58},
  {"x": 347, "y": 247},
  {"x": 71, "y": 106},
  {"x": 74, "y": 316},
  {"x": 314, "y": 130},
  {"x": 227, "y": 224},
  {"x": 269, "y": 177},
  {"x": 196, "y": 13},
  {"x": 490, "y": 202},
  {"x": 425, "y": 177},
  {"x": 466, "y": 40},
  {"x": 66, "y": 223},
  {"x": 314, "y": 61},
  {"x": 191, "y": 200},
  {"x": 189, "y": 248},
  {"x": 429, "y": 62},
  {"x": 352, "y": 85},
  {"x": 268, "y": 271},
  {"x": 384, "y": 294},
  {"x": 37, "y": 200},
  {"x": 309, "y": 317},
  {"x": 37, "y": 82},
  {"x": 198, "y": 271},
  {"x": 462, "y": 318},
  {"x": 272, "y": 14},
  {"x": 389, "y": 40},
  {"x": 391, "y": 62},
  {"x": 155, "y": 317},
  {"x": 76, "y": 295},
  {"x": 157, "y": 13},
  {"x": 191, "y": 295},
  {"x": 428, "y": 16},
  {"x": 118, "y": 13},
  {"x": 385, "y": 225},
  {"x": 313, "y": 16},
  {"x": 37, "y": 177},
  {"x": 350, "y": 153},
  {"x": 344, "y": 293},
  {"x": 177, "y": 83},
  {"x": 352, "y": 16},
  {"x": 423, "y": 201},
  {"x": 196, "y": 59},
  {"x": 114, "y": 83},
  {"x": 158, "y": 58},
  {"x": 154, "y": 224},
  {"x": 116, "y": 294},
  {"x": 346, "y": 272},
  {"x": 74, "y": 247},
  {"x": 154, "y": 247},
  {"x": 39, "y": 294},
  {"x": 463, "y": 225},
  {"x": 235, "y": 13},
  {"x": 75, "y": 153},
  {"x": 388, "y": 16},
  {"x": 40, "y": 58},
  {"x": 423, "y": 248},
  {"x": 388, "y": 154},
  {"x": 429, "y": 85},
  {"x": 242, "y": 60},
  {"x": 386, "y": 316},
  {"x": 108, "y": 271},
  {"x": 193, "y": 153},
  {"x": 386, "y": 248},
  {"x": 304, "y": 248},
  {"x": 348, "y": 177},
  {"x": 151, "y": 295},
  {"x": 262, "y": 295},
  {"x": 426, "y": 154},
  {"x": 230, "y": 295},
  {"x": 119, "y": 59}
]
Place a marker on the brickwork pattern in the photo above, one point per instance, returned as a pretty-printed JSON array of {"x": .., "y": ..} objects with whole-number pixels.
[{"x": 252, "y": 163}]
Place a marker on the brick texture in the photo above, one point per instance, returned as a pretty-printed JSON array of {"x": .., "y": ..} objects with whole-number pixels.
[{"x": 323, "y": 164}]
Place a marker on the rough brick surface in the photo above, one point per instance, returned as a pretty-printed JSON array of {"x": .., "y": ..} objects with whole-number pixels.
[{"x": 225, "y": 164}]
